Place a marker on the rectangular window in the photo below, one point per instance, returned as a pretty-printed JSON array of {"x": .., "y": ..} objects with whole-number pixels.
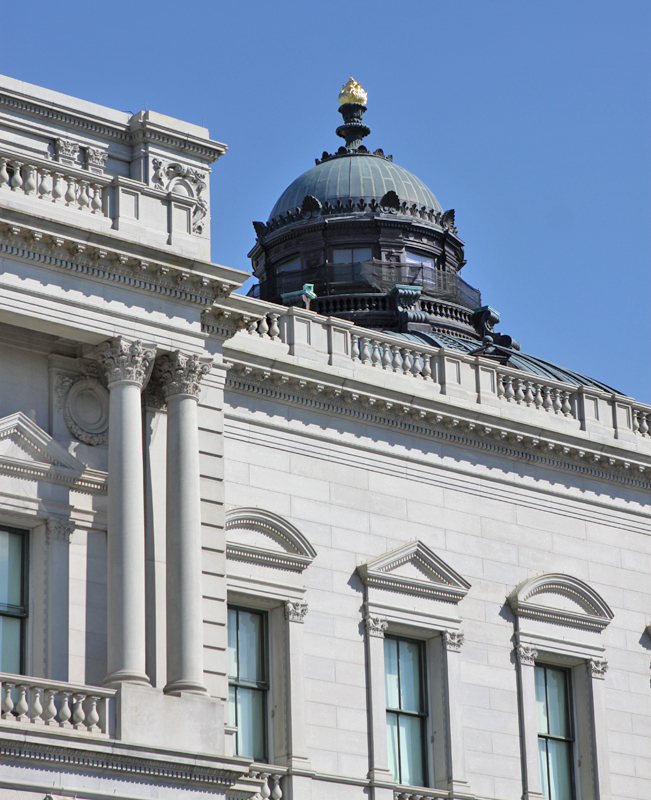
[
  {"x": 555, "y": 735},
  {"x": 13, "y": 599},
  {"x": 247, "y": 679},
  {"x": 418, "y": 260},
  {"x": 406, "y": 710},
  {"x": 290, "y": 266},
  {"x": 351, "y": 255}
]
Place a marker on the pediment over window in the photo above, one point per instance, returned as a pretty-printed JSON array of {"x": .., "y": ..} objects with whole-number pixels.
[
  {"x": 562, "y": 600},
  {"x": 265, "y": 538},
  {"x": 414, "y": 569}
]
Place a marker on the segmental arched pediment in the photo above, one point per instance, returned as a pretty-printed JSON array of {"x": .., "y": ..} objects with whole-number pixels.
[
  {"x": 561, "y": 599},
  {"x": 262, "y": 537}
]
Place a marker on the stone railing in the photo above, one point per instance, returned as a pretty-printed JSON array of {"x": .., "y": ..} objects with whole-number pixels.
[
  {"x": 534, "y": 392},
  {"x": 27, "y": 701},
  {"x": 54, "y": 182},
  {"x": 270, "y": 789}
]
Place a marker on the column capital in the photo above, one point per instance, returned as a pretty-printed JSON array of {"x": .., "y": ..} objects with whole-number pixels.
[
  {"x": 526, "y": 655},
  {"x": 295, "y": 611},
  {"x": 125, "y": 361},
  {"x": 178, "y": 373},
  {"x": 375, "y": 626},
  {"x": 597, "y": 668},
  {"x": 453, "y": 641},
  {"x": 59, "y": 528}
]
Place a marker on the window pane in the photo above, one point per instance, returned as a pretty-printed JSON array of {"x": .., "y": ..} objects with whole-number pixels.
[
  {"x": 557, "y": 702},
  {"x": 10, "y": 644},
  {"x": 391, "y": 672},
  {"x": 232, "y": 644},
  {"x": 560, "y": 769},
  {"x": 250, "y": 721},
  {"x": 541, "y": 700},
  {"x": 411, "y": 750},
  {"x": 362, "y": 254},
  {"x": 342, "y": 256},
  {"x": 232, "y": 707},
  {"x": 542, "y": 754},
  {"x": 410, "y": 676},
  {"x": 250, "y": 647},
  {"x": 392, "y": 745},
  {"x": 11, "y": 572},
  {"x": 290, "y": 266},
  {"x": 416, "y": 258}
]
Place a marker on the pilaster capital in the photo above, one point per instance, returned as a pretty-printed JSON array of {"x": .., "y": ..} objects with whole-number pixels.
[
  {"x": 597, "y": 667},
  {"x": 295, "y": 611},
  {"x": 177, "y": 373},
  {"x": 125, "y": 361},
  {"x": 59, "y": 529},
  {"x": 375, "y": 626},
  {"x": 526, "y": 655},
  {"x": 453, "y": 641}
]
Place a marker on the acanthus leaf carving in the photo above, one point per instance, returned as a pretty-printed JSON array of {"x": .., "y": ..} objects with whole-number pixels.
[
  {"x": 126, "y": 361},
  {"x": 59, "y": 528},
  {"x": 526, "y": 655},
  {"x": 375, "y": 626},
  {"x": 598, "y": 668},
  {"x": 295, "y": 610},
  {"x": 177, "y": 373},
  {"x": 453, "y": 640}
]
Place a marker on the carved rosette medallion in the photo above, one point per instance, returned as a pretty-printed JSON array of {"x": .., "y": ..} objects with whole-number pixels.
[
  {"x": 526, "y": 655},
  {"x": 375, "y": 626},
  {"x": 177, "y": 373},
  {"x": 597, "y": 668},
  {"x": 295, "y": 611},
  {"x": 453, "y": 640},
  {"x": 126, "y": 362},
  {"x": 86, "y": 411}
]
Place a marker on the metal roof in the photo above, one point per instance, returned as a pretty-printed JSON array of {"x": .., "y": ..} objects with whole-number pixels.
[
  {"x": 355, "y": 176},
  {"x": 517, "y": 360}
]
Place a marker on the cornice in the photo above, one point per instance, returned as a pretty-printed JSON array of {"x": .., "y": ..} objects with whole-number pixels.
[{"x": 423, "y": 417}]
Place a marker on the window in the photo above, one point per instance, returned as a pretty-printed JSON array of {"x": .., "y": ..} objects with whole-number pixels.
[
  {"x": 351, "y": 255},
  {"x": 13, "y": 599},
  {"x": 555, "y": 737},
  {"x": 406, "y": 715},
  {"x": 290, "y": 266},
  {"x": 247, "y": 677},
  {"x": 419, "y": 260}
]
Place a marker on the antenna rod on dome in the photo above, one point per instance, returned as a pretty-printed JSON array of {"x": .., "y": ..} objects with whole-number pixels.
[{"x": 352, "y": 105}]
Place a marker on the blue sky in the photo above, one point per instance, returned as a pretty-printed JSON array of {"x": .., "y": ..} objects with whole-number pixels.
[{"x": 531, "y": 119}]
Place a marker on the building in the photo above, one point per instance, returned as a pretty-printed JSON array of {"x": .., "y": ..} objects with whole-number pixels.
[{"x": 341, "y": 540}]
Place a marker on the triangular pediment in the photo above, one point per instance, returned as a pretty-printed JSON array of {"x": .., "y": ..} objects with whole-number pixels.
[
  {"x": 23, "y": 442},
  {"x": 259, "y": 536},
  {"x": 562, "y": 600},
  {"x": 414, "y": 569}
]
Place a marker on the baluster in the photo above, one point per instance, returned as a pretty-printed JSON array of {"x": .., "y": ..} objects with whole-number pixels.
[
  {"x": 58, "y": 187},
  {"x": 519, "y": 394},
  {"x": 253, "y": 327},
  {"x": 416, "y": 364},
  {"x": 354, "y": 346},
  {"x": 406, "y": 360},
  {"x": 265, "y": 791},
  {"x": 538, "y": 395},
  {"x": 64, "y": 711},
  {"x": 8, "y": 702},
  {"x": 509, "y": 394},
  {"x": 22, "y": 706},
  {"x": 36, "y": 708},
  {"x": 71, "y": 192},
  {"x": 274, "y": 328},
  {"x": 427, "y": 367},
  {"x": 263, "y": 327},
  {"x": 396, "y": 362},
  {"x": 386, "y": 355},
  {"x": 566, "y": 407},
  {"x": 276, "y": 792},
  {"x": 557, "y": 401},
  {"x": 29, "y": 187},
  {"x": 376, "y": 355},
  {"x": 92, "y": 718},
  {"x": 84, "y": 200},
  {"x": 78, "y": 714},
  {"x": 45, "y": 184},
  {"x": 16, "y": 178},
  {"x": 50, "y": 710},
  {"x": 365, "y": 350},
  {"x": 547, "y": 401},
  {"x": 4, "y": 174},
  {"x": 644, "y": 423},
  {"x": 96, "y": 202},
  {"x": 528, "y": 393},
  {"x": 500, "y": 384}
]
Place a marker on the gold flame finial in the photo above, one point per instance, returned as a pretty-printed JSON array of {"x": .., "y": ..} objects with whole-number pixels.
[{"x": 352, "y": 92}]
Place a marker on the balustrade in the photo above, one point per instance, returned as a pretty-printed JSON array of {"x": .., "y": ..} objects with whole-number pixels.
[
  {"x": 535, "y": 394},
  {"x": 415, "y": 362},
  {"x": 82, "y": 192},
  {"x": 53, "y": 704},
  {"x": 641, "y": 419},
  {"x": 270, "y": 789}
]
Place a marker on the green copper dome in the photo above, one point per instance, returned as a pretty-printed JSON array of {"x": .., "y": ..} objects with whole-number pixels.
[{"x": 355, "y": 176}]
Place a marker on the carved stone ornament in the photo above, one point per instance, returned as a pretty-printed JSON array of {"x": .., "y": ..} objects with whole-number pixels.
[
  {"x": 126, "y": 361},
  {"x": 598, "y": 668},
  {"x": 59, "y": 529},
  {"x": 295, "y": 611},
  {"x": 375, "y": 626},
  {"x": 66, "y": 151},
  {"x": 85, "y": 409},
  {"x": 177, "y": 373},
  {"x": 96, "y": 159},
  {"x": 453, "y": 640},
  {"x": 526, "y": 655},
  {"x": 166, "y": 176}
]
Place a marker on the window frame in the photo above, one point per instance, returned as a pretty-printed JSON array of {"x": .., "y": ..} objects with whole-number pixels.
[
  {"x": 263, "y": 686},
  {"x": 424, "y": 715},
  {"x": 20, "y": 612},
  {"x": 571, "y": 739}
]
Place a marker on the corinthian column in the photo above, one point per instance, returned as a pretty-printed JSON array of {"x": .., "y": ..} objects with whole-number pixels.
[
  {"x": 179, "y": 377},
  {"x": 127, "y": 365}
]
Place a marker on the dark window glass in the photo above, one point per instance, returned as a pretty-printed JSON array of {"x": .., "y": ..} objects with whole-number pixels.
[
  {"x": 555, "y": 736},
  {"x": 247, "y": 677},
  {"x": 290, "y": 266},
  {"x": 13, "y": 599},
  {"x": 350, "y": 255},
  {"x": 406, "y": 710}
]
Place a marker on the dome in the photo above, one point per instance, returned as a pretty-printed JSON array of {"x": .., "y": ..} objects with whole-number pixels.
[{"x": 353, "y": 177}]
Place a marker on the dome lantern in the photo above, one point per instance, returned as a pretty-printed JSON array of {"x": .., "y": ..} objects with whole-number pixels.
[{"x": 352, "y": 105}]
